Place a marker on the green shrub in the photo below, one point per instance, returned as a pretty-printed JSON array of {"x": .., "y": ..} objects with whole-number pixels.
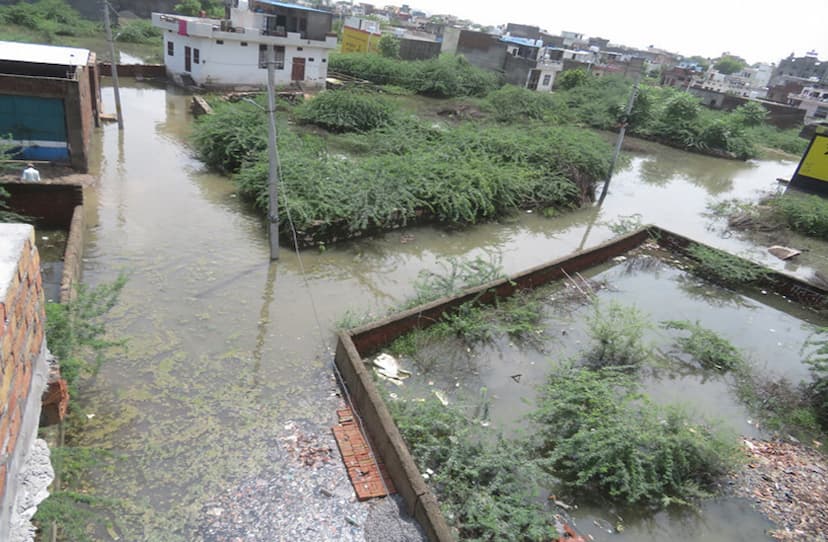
[
  {"x": 512, "y": 104},
  {"x": 389, "y": 46},
  {"x": 139, "y": 31},
  {"x": 603, "y": 439},
  {"x": 458, "y": 175},
  {"x": 232, "y": 135},
  {"x": 750, "y": 114},
  {"x": 444, "y": 77},
  {"x": 784, "y": 140},
  {"x": 706, "y": 347},
  {"x": 617, "y": 334},
  {"x": 345, "y": 111},
  {"x": 724, "y": 268},
  {"x": 805, "y": 214},
  {"x": 76, "y": 332},
  {"x": 487, "y": 486},
  {"x": 51, "y": 17}
]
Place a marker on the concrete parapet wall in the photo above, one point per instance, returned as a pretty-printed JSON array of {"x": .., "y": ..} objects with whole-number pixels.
[
  {"x": 369, "y": 339},
  {"x": 22, "y": 359},
  {"x": 150, "y": 71}
]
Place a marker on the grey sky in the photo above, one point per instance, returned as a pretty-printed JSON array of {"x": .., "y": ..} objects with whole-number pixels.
[{"x": 759, "y": 31}]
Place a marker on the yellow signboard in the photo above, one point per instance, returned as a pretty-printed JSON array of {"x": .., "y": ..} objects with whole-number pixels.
[
  {"x": 815, "y": 163},
  {"x": 358, "y": 41}
]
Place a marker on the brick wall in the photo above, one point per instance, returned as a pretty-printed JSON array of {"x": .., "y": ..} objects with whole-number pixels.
[{"x": 22, "y": 357}]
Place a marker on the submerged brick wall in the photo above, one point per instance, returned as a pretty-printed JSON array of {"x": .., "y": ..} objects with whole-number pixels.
[{"x": 22, "y": 358}]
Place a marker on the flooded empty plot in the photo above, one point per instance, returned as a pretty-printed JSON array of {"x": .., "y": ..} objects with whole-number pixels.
[{"x": 496, "y": 377}]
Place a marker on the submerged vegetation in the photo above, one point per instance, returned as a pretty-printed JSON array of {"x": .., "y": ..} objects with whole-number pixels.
[
  {"x": 404, "y": 171},
  {"x": 601, "y": 437},
  {"x": 706, "y": 347},
  {"x": 723, "y": 268},
  {"x": 488, "y": 486},
  {"x": 76, "y": 335}
]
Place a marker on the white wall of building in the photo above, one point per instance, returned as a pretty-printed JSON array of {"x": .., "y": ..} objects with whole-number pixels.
[{"x": 232, "y": 64}]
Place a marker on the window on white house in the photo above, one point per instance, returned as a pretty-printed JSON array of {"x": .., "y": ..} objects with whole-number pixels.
[
  {"x": 546, "y": 80},
  {"x": 219, "y": 42},
  {"x": 244, "y": 44},
  {"x": 196, "y": 56},
  {"x": 280, "y": 56},
  {"x": 170, "y": 48}
]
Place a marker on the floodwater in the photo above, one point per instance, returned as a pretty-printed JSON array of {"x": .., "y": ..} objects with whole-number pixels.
[{"x": 224, "y": 354}]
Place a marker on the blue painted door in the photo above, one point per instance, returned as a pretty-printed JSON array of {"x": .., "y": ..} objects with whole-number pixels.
[{"x": 37, "y": 126}]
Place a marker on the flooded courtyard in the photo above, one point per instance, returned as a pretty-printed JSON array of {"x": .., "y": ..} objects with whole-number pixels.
[{"x": 228, "y": 361}]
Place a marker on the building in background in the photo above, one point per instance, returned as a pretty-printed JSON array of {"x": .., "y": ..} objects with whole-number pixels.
[
  {"x": 49, "y": 101},
  {"x": 233, "y": 52}
]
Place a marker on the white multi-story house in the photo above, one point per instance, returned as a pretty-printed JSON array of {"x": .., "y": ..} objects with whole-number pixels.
[
  {"x": 814, "y": 100},
  {"x": 232, "y": 52}
]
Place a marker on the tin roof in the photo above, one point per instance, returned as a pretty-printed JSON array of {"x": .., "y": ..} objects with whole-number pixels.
[
  {"x": 290, "y": 6},
  {"x": 522, "y": 41},
  {"x": 43, "y": 54}
]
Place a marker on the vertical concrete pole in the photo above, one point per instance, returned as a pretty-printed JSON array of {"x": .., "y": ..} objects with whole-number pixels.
[
  {"x": 106, "y": 9},
  {"x": 620, "y": 139},
  {"x": 273, "y": 155}
]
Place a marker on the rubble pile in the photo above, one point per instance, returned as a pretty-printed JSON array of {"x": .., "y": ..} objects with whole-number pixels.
[{"x": 789, "y": 484}]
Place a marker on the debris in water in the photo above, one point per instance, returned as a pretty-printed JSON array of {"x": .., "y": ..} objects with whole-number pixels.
[
  {"x": 388, "y": 368},
  {"x": 784, "y": 253},
  {"x": 441, "y": 397},
  {"x": 789, "y": 484}
]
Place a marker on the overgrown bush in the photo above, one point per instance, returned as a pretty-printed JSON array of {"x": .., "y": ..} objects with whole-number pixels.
[
  {"x": 487, "y": 486},
  {"x": 139, "y": 31},
  {"x": 617, "y": 334},
  {"x": 604, "y": 439},
  {"x": 444, "y": 77},
  {"x": 721, "y": 267},
  {"x": 345, "y": 111},
  {"x": 51, "y": 17},
  {"x": 458, "y": 175},
  {"x": 513, "y": 104},
  {"x": 76, "y": 332},
  {"x": 705, "y": 346},
  {"x": 234, "y": 134},
  {"x": 805, "y": 214}
]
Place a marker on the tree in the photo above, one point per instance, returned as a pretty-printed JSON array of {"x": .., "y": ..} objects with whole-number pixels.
[
  {"x": 750, "y": 114},
  {"x": 682, "y": 109},
  {"x": 702, "y": 62},
  {"x": 729, "y": 64},
  {"x": 571, "y": 79},
  {"x": 389, "y": 46},
  {"x": 213, "y": 8}
]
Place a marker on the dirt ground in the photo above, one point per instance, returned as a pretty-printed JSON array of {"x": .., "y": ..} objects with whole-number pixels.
[{"x": 788, "y": 482}]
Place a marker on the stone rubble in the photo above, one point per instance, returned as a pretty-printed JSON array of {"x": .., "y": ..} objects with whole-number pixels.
[{"x": 307, "y": 496}]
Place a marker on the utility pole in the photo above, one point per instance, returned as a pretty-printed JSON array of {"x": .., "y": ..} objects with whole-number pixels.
[
  {"x": 620, "y": 139},
  {"x": 273, "y": 155},
  {"x": 106, "y": 8}
]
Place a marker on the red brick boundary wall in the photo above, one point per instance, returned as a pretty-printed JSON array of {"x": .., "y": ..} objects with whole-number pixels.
[
  {"x": 22, "y": 357},
  {"x": 149, "y": 71},
  {"x": 366, "y": 340}
]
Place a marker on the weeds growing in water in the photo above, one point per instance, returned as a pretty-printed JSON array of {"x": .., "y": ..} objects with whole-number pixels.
[
  {"x": 76, "y": 332},
  {"x": 454, "y": 277},
  {"x": 805, "y": 214},
  {"x": 617, "y": 333},
  {"x": 488, "y": 486},
  {"x": 706, "y": 347},
  {"x": 604, "y": 439},
  {"x": 818, "y": 388},
  {"x": 719, "y": 266},
  {"x": 76, "y": 335}
]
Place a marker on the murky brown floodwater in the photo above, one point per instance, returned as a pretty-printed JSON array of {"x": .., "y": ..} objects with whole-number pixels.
[{"x": 223, "y": 348}]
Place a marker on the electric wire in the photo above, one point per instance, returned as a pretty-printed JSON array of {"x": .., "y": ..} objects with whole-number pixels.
[{"x": 326, "y": 347}]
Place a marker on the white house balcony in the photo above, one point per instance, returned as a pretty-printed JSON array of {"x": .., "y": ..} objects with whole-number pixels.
[{"x": 223, "y": 29}]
